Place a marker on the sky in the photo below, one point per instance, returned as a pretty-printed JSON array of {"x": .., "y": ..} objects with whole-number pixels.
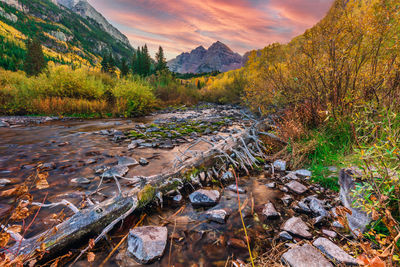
[{"x": 182, "y": 25}]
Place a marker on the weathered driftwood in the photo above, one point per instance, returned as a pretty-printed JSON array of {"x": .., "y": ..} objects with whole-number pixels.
[{"x": 95, "y": 219}]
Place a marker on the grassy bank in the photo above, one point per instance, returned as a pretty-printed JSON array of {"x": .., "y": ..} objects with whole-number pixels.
[{"x": 82, "y": 92}]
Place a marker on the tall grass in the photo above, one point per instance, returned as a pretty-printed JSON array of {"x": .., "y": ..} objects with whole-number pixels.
[{"x": 81, "y": 92}]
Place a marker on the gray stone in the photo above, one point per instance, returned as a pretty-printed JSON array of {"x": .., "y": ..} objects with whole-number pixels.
[
  {"x": 296, "y": 187},
  {"x": 116, "y": 171},
  {"x": 233, "y": 188},
  {"x": 270, "y": 212},
  {"x": 143, "y": 162},
  {"x": 359, "y": 219},
  {"x": 333, "y": 252},
  {"x": 317, "y": 207},
  {"x": 204, "y": 198},
  {"x": 9, "y": 16},
  {"x": 90, "y": 161},
  {"x": 285, "y": 236},
  {"x": 178, "y": 198},
  {"x": 4, "y": 182},
  {"x": 202, "y": 176},
  {"x": 218, "y": 216},
  {"x": 332, "y": 168},
  {"x": 128, "y": 162},
  {"x": 302, "y": 207},
  {"x": 331, "y": 234},
  {"x": 303, "y": 173},
  {"x": 147, "y": 244},
  {"x": 305, "y": 256},
  {"x": 280, "y": 165},
  {"x": 337, "y": 224},
  {"x": 80, "y": 181},
  {"x": 291, "y": 176},
  {"x": 271, "y": 185},
  {"x": 296, "y": 226}
]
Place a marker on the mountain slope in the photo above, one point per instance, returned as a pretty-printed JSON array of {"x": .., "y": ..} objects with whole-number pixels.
[
  {"x": 218, "y": 57},
  {"x": 78, "y": 36}
]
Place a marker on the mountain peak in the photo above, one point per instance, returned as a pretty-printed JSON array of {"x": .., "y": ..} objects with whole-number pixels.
[{"x": 218, "y": 57}]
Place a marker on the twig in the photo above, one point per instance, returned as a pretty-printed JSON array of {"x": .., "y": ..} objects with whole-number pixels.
[{"x": 63, "y": 202}]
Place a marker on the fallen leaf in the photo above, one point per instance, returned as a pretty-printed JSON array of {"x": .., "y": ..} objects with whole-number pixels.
[
  {"x": 15, "y": 228},
  {"x": 4, "y": 238},
  {"x": 42, "y": 183},
  {"x": 90, "y": 257},
  {"x": 377, "y": 262}
]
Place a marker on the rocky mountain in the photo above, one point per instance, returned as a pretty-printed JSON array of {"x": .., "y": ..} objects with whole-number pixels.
[
  {"x": 71, "y": 30},
  {"x": 218, "y": 57}
]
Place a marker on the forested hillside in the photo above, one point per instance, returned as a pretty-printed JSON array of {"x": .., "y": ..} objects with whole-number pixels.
[{"x": 68, "y": 37}]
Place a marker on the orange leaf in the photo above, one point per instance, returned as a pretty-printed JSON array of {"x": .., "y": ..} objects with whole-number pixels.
[
  {"x": 362, "y": 260},
  {"x": 90, "y": 256},
  {"x": 4, "y": 238},
  {"x": 377, "y": 262}
]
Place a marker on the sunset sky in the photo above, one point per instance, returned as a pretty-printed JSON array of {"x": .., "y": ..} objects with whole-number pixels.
[{"x": 182, "y": 25}]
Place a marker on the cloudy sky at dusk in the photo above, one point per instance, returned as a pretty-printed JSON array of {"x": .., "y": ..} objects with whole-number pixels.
[{"x": 182, "y": 25}]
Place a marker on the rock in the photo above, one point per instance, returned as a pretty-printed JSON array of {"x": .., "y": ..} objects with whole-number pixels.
[
  {"x": 90, "y": 161},
  {"x": 287, "y": 199},
  {"x": 329, "y": 233},
  {"x": 296, "y": 187},
  {"x": 4, "y": 182},
  {"x": 177, "y": 198},
  {"x": 147, "y": 244},
  {"x": 337, "y": 224},
  {"x": 296, "y": 226},
  {"x": 104, "y": 132},
  {"x": 116, "y": 171},
  {"x": 128, "y": 162},
  {"x": 207, "y": 131},
  {"x": 218, "y": 216},
  {"x": 4, "y": 124},
  {"x": 302, "y": 207},
  {"x": 227, "y": 176},
  {"x": 305, "y": 256},
  {"x": 271, "y": 185},
  {"x": 236, "y": 243},
  {"x": 359, "y": 219},
  {"x": 332, "y": 169},
  {"x": 204, "y": 198},
  {"x": 303, "y": 173},
  {"x": 317, "y": 207},
  {"x": 283, "y": 189},
  {"x": 143, "y": 162},
  {"x": 280, "y": 165},
  {"x": 80, "y": 181},
  {"x": 333, "y": 252},
  {"x": 233, "y": 188},
  {"x": 202, "y": 177},
  {"x": 285, "y": 236},
  {"x": 270, "y": 212},
  {"x": 291, "y": 176}
]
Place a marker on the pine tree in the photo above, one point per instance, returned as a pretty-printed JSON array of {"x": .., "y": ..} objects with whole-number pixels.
[
  {"x": 124, "y": 68},
  {"x": 111, "y": 64},
  {"x": 134, "y": 64},
  {"x": 161, "y": 62},
  {"x": 104, "y": 64},
  {"x": 34, "y": 61},
  {"x": 146, "y": 61}
]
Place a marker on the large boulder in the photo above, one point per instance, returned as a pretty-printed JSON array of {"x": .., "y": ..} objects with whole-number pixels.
[
  {"x": 147, "y": 244},
  {"x": 359, "y": 219}
]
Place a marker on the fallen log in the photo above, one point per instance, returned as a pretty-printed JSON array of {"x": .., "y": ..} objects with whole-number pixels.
[{"x": 93, "y": 220}]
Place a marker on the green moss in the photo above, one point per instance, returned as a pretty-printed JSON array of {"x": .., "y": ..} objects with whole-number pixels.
[{"x": 146, "y": 195}]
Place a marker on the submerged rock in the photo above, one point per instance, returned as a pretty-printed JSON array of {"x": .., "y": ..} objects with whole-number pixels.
[
  {"x": 80, "y": 181},
  {"x": 4, "y": 124},
  {"x": 218, "y": 216},
  {"x": 128, "y": 162},
  {"x": 118, "y": 170},
  {"x": 296, "y": 226},
  {"x": 333, "y": 252},
  {"x": 204, "y": 198},
  {"x": 296, "y": 187},
  {"x": 147, "y": 244},
  {"x": 305, "y": 256}
]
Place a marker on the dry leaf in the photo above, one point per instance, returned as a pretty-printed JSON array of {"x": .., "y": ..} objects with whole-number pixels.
[
  {"x": 20, "y": 213},
  {"x": 42, "y": 183},
  {"x": 91, "y": 243},
  {"x": 377, "y": 262},
  {"x": 90, "y": 257},
  {"x": 4, "y": 238},
  {"x": 17, "y": 191},
  {"x": 15, "y": 228}
]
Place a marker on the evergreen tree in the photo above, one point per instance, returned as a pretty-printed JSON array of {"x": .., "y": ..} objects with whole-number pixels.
[
  {"x": 124, "y": 68},
  {"x": 161, "y": 62},
  {"x": 34, "y": 62},
  {"x": 146, "y": 61},
  {"x": 134, "y": 65},
  {"x": 111, "y": 64},
  {"x": 104, "y": 64}
]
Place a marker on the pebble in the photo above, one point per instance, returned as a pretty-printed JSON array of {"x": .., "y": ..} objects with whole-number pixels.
[
  {"x": 333, "y": 252},
  {"x": 233, "y": 188},
  {"x": 280, "y": 165},
  {"x": 270, "y": 212},
  {"x": 4, "y": 182},
  {"x": 80, "y": 181},
  {"x": 4, "y": 124},
  {"x": 178, "y": 198},
  {"x": 287, "y": 199},
  {"x": 128, "y": 162},
  {"x": 305, "y": 256},
  {"x": 116, "y": 171},
  {"x": 296, "y": 226},
  {"x": 291, "y": 176},
  {"x": 296, "y": 187},
  {"x": 303, "y": 173},
  {"x": 337, "y": 224},
  {"x": 147, "y": 244},
  {"x": 285, "y": 236},
  {"x": 218, "y": 216},
  {"x": 204, "y": 198},
  {"x": 143, "y": 162},
  {"x": 331, "y": 234},
  {"x": 271, "y": 185}
]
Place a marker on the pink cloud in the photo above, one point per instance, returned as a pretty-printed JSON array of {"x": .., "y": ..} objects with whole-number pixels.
[{"x": 182, "y": 25}]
